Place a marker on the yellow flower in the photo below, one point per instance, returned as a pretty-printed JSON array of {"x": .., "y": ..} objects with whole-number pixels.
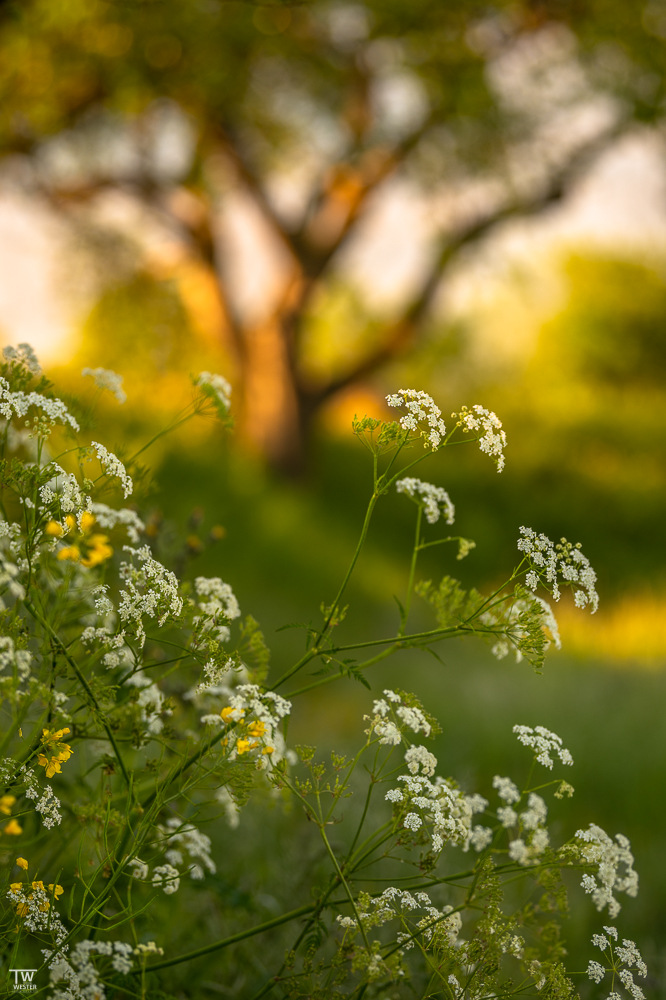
[
  {"x": 22, "y": 863},
  {"x": 70, "y": 552},
  {"x": 60, "y": 752},
  {"x": 242, "y": 746},
  {"x": 228, "y": 713},
  {"x": 13, "y": 828},
  {"x": 70, "y": 521},
  {"x": 6, "y": 803},
  {"x": 87, "y": 520},
  {"x": 54, "y": 529},
  {"x": 22, "y": 909},
  {"x": 257, "y": 729},
  {"x": 16, "y": 887},
  {"x": 38, "y": 885},
  {"x": 99, "y": 550},
  {"x": 58, "y": 890},
  {"x": 268, "y": 750}
]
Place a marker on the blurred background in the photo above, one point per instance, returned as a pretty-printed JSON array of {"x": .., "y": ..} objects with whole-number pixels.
[{"x": 329, "y": 201}]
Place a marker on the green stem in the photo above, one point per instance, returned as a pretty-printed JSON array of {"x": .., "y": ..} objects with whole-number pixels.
[
  {"x": 412, "y": 572},
  {"x": 83, "y": 682},
  {"x": 241, "y": 936}
]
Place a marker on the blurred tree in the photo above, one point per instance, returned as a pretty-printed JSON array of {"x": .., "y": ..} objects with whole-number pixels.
[{"x": 308, "y": 110}]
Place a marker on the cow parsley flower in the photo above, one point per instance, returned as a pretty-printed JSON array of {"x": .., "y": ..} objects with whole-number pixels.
[
  {"x": 217, "y": 386},
  {"x": 544, "y": 743},
  {"x": 595, "y": 971},
  {"x": 433, "y": 498},
  {"x": 597, "y": 848},
  {"x": 150, "y": 590},
  {"x": 421, "y": 409},
  {"x": 418, "y": 758},
  {"x": 17, "y": 404},
  {"x": 413, "y": 822},
  {"x": 113, "y": 466},
  {"x": 506, "y": 789},
  {"x": 559, "y": 564},
  {"x": 488, "y": 428},
  {"x": 167, "y": 878},
  {"x": 107, "y": 379},
  {"x": 23, "y": 355},
  {"x": 110, "y": 518}
]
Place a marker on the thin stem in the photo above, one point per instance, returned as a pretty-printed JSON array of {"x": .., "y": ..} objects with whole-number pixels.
[
  {"x": 84, "y": 684},
  {"x": 241, "y": 936}
]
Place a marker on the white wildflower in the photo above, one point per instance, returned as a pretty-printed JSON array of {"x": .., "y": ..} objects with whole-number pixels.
[
  {"x": 561, "y": 563},
  {"x": 167, "y": 878},
  {"x": 488, "y": 428},
  {"x": 151, "y": 590},
  {"x": 23, "y": 355},
  {"x": 18, "y": 403},
  {"x": 218, "y": 385},
  {"x": 596, "y": 972},
  {"x": 413, "y": 821},
  {"x": 113, "y": 466},
  {"x": 225, "y": 798},
  {"x": 388, "y": 732},
  {"x": 420, "y": 758},
  {"x": 481, "y": 837},
  {"x": 597, "y": 848},
  {"x": 140, "y": 868},
  {"x": 109, "y": 518},
  {"x": 435, "y": 500},
  {"x": 49, "y": 808},
  {"x": 544, "y": 743},
  {"x": 414, "y": 718},
  {"x": 506, "y": 789},
  {"x": 519, "y": 851},
  {"x": 421, "y": 409},
  {"x": 107, "y": 379},
  {"x": 394, "y": 795},
  {"x": 507, "y": 816}
]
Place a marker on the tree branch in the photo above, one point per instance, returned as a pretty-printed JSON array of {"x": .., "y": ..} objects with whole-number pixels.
[{"x": 402, "y": 331}]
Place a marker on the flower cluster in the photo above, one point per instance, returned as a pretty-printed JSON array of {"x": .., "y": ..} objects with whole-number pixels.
[
  {"x": 400, "y": 904},
  {"x": 390, "y": 712},
  {"x": 488, "y": 428},
  {"x": 561, "y": 563},
  {"x": 217, "y": 602},
  {"x": 544, "y": 743},
  {"x": 24, "y": 356},
  {"x": 78, "y": 971},
  {"x": 149, "y": 702},
  {"x": 434, "y": 499},
  {"x": 105, "y": 378},
  {"x": 18, "y": 403},
  {"x": 33, "y": 906},
  {"x": 109, "y": 518},
  {"x": 54, "y": 752},
  {"x": 421, "y": 409},
  {"x": 528, "y": 848},
  {"x": 256, "y": 716},
  {"x": 63, "y": 491},
  {"x": 215, "y": 386},
  {"x": 596, "y": 848},
  {"x": 184, "y": 839},
  {"x": 627, "y": 953},
  {"x": 113, "y": 466},
  {"x": 437, "y": 803},
  {"x": 151, "y": 590}
]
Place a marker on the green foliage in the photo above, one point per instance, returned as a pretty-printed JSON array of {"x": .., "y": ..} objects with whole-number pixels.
[{"x": 175, "y": 726}]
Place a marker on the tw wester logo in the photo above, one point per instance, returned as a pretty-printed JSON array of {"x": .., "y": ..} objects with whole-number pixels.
[{"x": 25, "y": 982}]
